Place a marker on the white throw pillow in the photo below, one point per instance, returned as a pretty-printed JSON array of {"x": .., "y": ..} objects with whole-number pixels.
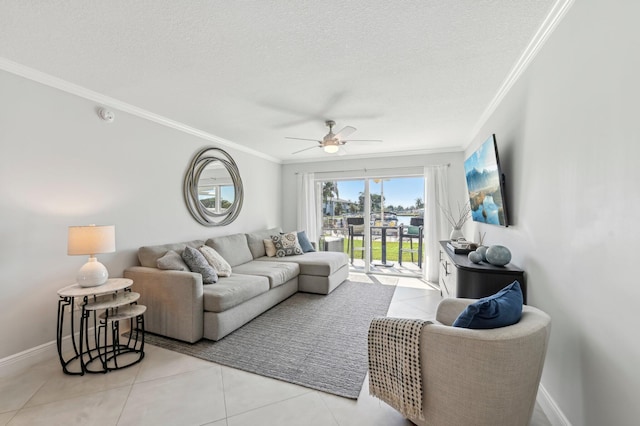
[
  {"x": 269, "y": 247},
  {"x": 219, "y": 264}
]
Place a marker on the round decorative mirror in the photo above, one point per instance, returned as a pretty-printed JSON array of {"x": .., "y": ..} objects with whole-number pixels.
[{"x": 212, "y": 188}]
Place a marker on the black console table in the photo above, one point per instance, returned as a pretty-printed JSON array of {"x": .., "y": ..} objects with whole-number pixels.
[{"x": 459, "y": 277}]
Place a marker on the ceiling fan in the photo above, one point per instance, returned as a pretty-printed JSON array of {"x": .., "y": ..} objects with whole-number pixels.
[{"x": 331, "y": 142}]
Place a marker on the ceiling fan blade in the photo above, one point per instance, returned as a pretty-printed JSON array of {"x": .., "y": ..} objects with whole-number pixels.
[
  {"x": 362, "y": 140},
  {"x": 303, "y": 139},
  {"x": 297, "y": 122},
  {"x": 360, "y": 117},
  {"x": 305, "y": 114},
  {"x": 306, "y": 149},
  {"x": 345, "y": 132}
]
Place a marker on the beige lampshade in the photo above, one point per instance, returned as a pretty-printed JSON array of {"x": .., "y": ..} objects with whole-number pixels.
[{"x": 91, "y": 239}]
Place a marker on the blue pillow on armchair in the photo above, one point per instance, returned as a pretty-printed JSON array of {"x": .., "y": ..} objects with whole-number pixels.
[{"x": 499, "y": 310}]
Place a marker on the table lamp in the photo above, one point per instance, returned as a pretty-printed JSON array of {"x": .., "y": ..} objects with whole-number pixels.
[{"x": 91, "y": 240}]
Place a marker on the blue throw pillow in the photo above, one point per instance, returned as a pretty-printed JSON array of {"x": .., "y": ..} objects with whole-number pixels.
[
  {"x": 499, "y": 310},
  {"x": 304, "y": 242}
]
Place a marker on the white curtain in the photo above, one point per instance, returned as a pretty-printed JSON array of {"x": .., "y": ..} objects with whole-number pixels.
[
  {"x": 436, "y": 189},
  {"x": 307, "y": 206}
]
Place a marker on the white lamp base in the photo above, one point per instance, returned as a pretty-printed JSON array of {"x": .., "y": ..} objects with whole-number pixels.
[{"x": 92, "y": 274}]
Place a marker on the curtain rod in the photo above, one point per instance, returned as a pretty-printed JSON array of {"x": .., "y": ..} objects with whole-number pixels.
[{"x": 372, "y": 170}]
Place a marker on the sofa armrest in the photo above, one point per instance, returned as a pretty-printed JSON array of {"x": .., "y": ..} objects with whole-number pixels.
[
  {"x": 450, "y": 308},
  {"x": 174, "y": 301}
]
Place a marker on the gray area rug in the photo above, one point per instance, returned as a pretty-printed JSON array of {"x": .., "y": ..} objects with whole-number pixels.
[{"x": 311, "y": 340}]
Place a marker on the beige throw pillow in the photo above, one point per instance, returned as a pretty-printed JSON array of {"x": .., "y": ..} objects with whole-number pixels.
[
  {"x": 172, "y": 261},
  {"x": 216, "y": 261},
  {"x": 269, "y": 247}
]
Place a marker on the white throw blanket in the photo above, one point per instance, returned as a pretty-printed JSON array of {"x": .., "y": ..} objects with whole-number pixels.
[{"x": 394, "y": 364}]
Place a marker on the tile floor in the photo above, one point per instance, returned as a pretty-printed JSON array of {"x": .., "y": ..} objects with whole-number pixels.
[{"x": 168, "y": 388}]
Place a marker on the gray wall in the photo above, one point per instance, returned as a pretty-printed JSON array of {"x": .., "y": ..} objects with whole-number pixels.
[
  {"x": 569, "y": 141},
  {"x": 61, "y": 165}
]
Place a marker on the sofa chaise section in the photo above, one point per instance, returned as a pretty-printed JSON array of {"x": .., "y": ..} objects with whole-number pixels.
[{"x": 320, "y": 271}]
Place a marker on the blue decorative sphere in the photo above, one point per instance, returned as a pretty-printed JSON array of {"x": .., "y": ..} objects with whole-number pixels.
[
  {"x": 482, "y": 251},
  {"x": 475, "y": 257},
  {"x": 498, "y": 255}
]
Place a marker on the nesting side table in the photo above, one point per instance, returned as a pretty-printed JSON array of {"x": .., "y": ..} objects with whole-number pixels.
[{"x": 107, "y": 304}]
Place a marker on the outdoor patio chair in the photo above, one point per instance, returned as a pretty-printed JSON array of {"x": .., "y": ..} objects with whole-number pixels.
[
  {"x": 414, "y": 231},
  {"x": 356, "y": 230}
]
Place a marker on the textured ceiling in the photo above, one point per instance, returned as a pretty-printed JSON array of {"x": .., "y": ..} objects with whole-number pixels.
[{"x": 417, "y": 74}]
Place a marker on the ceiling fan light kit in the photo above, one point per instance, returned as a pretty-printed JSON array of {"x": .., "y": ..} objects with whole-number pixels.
[
  {"x": 331, "y": 142},
  {"x": 331, "y": 148}
]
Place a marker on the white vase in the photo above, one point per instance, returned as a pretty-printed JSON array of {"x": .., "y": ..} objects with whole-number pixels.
[{"x": 456, "y": 234}]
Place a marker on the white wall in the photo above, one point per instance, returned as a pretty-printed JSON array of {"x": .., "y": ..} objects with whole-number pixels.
[
  {"x": 61, "y": 165},
  {"x": 373, "y": 167},
  {"x": 569, "y": 142}
]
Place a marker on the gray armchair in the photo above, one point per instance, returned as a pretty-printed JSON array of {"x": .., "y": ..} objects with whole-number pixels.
[{"x": 481, "y": 377}]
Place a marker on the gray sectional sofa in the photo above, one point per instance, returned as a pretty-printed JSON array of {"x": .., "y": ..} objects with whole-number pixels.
[{"x": 181, "y": 307}]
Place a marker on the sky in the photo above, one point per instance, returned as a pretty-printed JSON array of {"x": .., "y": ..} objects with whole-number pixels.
[{"x": 397, "y": 191}]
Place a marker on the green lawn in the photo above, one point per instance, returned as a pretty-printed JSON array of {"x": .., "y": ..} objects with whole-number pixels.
[{"x": 392, "y": 250}]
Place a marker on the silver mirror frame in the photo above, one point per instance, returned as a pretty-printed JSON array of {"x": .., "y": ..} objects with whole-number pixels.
[{"x": 200, "y": 161}]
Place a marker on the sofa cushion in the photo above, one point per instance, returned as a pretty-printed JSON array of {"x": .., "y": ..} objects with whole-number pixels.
[
  {"x": 172, "y": 261},
  {"x": 278, "y": 273},
  {"x": 233, "y": 248},
  {"x": 287, "y": 244},
  {"x": 499, "y": 310},
  {"x": 232, "y": 291},
  {"x": 218, "y": 263},
  {"x": 149, "y": 255},
  {"x": 319, "y": 263},
  {"x": 197, "y": 263},
  {"x": 255, "y": 241}
]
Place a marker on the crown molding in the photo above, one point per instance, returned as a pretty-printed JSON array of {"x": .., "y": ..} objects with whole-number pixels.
[
  {"x": 558, "y": 11},
  {"x": 413, "y": 153},
  {"x": 66, "y": 86}
]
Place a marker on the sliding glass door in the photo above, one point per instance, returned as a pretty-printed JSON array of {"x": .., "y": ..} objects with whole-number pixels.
[
  {"x": 367, "y": 217},
  {"x": 395, "y": 203}
]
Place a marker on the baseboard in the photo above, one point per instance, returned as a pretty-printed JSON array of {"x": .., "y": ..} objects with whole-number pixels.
[
  {"x": 551, "y": 410},
  {"x": 16, "y": 363},
  {"x": 26, "y": 359}
]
